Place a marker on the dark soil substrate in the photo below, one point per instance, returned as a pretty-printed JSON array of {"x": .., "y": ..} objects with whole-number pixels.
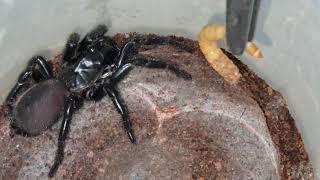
[
  {"x": 281, "y": 125},
  {"x": 178, "y": 138}
]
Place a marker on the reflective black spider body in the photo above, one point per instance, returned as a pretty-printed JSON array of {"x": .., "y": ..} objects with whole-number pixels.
[{"x": 91, "y": 69}]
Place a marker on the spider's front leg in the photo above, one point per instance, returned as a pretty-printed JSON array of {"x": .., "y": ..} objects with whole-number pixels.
[
  {"x": 158, "y": 64},
  {"x": 72, "y": 103},
  {"x": 121, "y": 108},
  {"x": 151, "y": 39},
  {"x": 126, "y": 51},
  {"x": 129, "y": 50},
  {"x": 107, "y": 88},
  {"x": 96, "y": 92}
]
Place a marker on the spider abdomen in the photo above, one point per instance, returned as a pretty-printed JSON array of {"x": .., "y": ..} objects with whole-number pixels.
[{"x": 39, "y": 107}]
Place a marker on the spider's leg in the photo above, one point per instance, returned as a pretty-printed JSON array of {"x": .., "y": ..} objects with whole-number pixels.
[
  {"x": 126, "y": 50},
  {"x": 71, "y": 105},
  {"x": 114, "y": 95},
  {"x": 130, "y": 48},
  {"x": 151, "y": 39},
  {"x": 95, "y": 34},
  {"x": 36, "y": 65},
  {"x": 120, "y": 73},
  {"x": 96, "y": 93},
  {"x": 154, "y": 63},
  {"x": 99, "y": 93},
  {"x": 71, "y": 47}
]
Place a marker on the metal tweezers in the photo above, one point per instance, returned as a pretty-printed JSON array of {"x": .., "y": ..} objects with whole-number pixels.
[{"x": 240, "y": 23}]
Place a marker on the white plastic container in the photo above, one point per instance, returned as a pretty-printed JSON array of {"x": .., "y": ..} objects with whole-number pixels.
[{"x": 287, "y": 32}]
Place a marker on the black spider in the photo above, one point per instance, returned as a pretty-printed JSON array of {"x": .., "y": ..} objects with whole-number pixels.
[{"x": 91, "y": 68}]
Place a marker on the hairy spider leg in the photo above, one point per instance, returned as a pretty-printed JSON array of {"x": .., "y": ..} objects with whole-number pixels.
[
  {"x": 150, "y": 62},
  {"x": 129, "y": 50},
  {"x": 151, "y": 39}
]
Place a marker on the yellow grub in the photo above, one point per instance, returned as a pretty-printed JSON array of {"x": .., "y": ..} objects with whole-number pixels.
[
  {"x": 208, "y": 37},
  {"x": 253, "y": 50}
]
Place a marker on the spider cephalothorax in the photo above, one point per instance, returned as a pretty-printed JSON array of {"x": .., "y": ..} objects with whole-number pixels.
[{"x": 90, "y": 70}]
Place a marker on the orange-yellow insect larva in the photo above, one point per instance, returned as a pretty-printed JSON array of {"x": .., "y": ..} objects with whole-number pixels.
[
  {"x": 253, "y": 50},
  {"x": 208, "y": 37},
  {"x": 213, "y": 32}
]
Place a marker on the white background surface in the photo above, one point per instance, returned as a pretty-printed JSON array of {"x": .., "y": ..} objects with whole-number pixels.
[{"x": 287, "y": 32}]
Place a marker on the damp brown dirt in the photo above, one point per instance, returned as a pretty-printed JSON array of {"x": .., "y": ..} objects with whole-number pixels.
[{"x": 198, "y": 129}]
